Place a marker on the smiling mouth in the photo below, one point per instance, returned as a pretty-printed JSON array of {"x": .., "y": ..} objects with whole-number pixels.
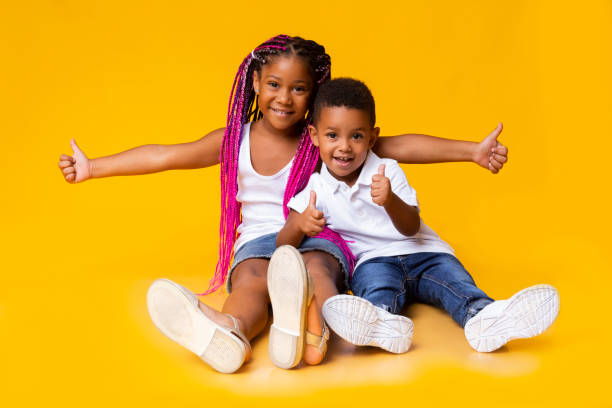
[
  {"x": 281, "y": 112},
  {"x": 342, "y": 161}
]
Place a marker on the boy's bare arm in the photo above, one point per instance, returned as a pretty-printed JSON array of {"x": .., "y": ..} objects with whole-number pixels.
[
  {"x": 415, "y": 148},
  {"x": 310, "y": 222},
  {"x": 143, "y": 159},
  {"x": 405, "y": 217},
  {"x": 290, "y": 234}
]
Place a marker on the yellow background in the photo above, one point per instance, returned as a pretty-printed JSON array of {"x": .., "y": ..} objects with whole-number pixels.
[{"x": 76, "y": 260}]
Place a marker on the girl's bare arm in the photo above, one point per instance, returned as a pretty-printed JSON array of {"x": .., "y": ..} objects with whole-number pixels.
[
  {"x": 414, "y": 148},
  {"x": 143, "y": 159}
]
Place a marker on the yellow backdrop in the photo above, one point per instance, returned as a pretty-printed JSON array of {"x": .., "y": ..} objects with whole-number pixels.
[{"x": 76, "y": 260}]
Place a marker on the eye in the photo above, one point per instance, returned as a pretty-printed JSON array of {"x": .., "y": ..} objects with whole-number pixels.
[
  {"x": 331, "y": 135},
  {"x": 300, "y": 89},
  {"x": 357, "y": 136},
  {"x": 273, "y": 84}
]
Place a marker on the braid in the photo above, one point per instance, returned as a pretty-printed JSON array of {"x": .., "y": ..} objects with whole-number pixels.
[{"x": 243, "y": 107}]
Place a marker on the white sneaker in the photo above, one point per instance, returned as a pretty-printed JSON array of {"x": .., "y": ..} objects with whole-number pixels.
[
  {"x": 526, "y": 314},
  {"x": 359, "y": 322},
  {"x": 175, "y": 312}
]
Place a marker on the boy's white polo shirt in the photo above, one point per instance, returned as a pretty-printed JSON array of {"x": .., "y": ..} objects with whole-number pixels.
[{"x": 365, "y": 225}]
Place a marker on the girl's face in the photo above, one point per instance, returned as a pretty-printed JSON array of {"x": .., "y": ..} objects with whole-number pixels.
[{"x": 284, "y": 87}]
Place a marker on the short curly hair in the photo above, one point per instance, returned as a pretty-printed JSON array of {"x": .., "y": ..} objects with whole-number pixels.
[{"x": 347, "y": 92}]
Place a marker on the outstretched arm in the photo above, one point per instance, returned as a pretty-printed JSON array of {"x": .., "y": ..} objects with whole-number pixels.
[
  {"x": 414, "y": 148},
  {"x": 143, "y": 159}
]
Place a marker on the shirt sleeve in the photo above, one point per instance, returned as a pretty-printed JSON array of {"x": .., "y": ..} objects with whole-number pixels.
[
  {"x": 299, "y": 202},
  {"x": 399, "y": 183}
]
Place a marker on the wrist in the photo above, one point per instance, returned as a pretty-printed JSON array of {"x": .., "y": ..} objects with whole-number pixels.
[
  {"x": 472, "y": 151},
  {"x": 90, "y": 168},
  {"x": 387, "y": 203}
]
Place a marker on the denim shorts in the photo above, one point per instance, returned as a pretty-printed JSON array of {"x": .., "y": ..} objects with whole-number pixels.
[{"x": 263, "y": 247}]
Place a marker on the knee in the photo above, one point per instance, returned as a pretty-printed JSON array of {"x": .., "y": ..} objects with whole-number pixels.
[
  {"x": 322, "y": 268},
  {"x": 249, "y": 276}
]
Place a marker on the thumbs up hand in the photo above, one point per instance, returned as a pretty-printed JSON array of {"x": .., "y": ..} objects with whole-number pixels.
[
  {"x": 75, "y": 168},
  {"x": 311, "y": 220},
  {"x": 381, "y": 187},
  {"x": 491, "y": 154}
]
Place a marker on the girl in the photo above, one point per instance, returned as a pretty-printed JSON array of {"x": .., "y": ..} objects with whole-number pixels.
[{"x": 266, "y": 157}]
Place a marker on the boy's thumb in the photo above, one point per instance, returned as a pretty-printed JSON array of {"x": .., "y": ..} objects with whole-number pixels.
[
  {"x": 313, "y": 199},
  {"x": 381, "y": 169}
]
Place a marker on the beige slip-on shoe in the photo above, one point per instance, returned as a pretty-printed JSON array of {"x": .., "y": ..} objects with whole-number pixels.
[
  {"x": 175, "y": 312},
  {"x": 290, "y": 291}
]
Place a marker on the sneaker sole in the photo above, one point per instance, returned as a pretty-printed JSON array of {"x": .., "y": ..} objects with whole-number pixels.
[
  {"x": 527, "y": 314},
  {"x": 175, "y": 312},
  {"x": 359, "y": 322},
  {"x": 288, "y": 290}
]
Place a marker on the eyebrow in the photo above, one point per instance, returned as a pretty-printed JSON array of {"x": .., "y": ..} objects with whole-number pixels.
[
  {"x": 352, "y": 130},
  {"x": 270, "y": 76}
]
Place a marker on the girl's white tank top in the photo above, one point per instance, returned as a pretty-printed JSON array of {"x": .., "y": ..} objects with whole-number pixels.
[{"x": 261, "y": 196}]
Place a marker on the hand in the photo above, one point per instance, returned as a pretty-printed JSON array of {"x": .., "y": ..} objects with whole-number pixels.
[
  {"x": 491, "y": 154},
  {"x": 381, "y": 187},
  {"x": 75, "y": 168},
  {"x": 311, "y": 220}
]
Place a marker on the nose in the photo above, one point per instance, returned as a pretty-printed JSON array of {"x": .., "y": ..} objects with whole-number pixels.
[
  {"x": 344, "y": 145},
  {"x": 284, "y": 96}
]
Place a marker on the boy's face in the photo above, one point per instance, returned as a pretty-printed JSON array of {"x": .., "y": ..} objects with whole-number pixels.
[{"x": 343, "y": 136}]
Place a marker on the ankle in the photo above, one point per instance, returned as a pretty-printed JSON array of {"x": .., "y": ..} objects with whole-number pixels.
[{"x": 314, "y": 322}]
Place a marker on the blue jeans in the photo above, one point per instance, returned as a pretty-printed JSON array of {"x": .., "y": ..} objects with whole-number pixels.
[{"x": 435, "y": 278}]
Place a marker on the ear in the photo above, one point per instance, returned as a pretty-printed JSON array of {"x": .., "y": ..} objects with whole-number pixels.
[
  {"x": 374, "y": 136},
  {"x": 256, "y": 82},
  {"x": 313, "y": 135}
]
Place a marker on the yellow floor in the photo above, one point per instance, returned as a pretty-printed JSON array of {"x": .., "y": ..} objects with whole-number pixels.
[
  {"x": 76, "y": 261},
  {"x": 88, "y": 341}
]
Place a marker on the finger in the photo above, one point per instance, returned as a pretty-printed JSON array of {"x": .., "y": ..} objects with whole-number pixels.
[
  {"x": 377, "y": 178},
  {"x": 495, "y": 133},
  {"x": 498, "y": 157},
  {"x": 498, "y": 129},
  {"x": 70, "y": 177},
  {"x": 74, "y": 146},
  {"x": 65, "y": 157},
  {"x": 313, "y": 199},
  {"x": 314, "y": 230},
  {"x": 65, "y": 163},
  {"x": 500, "y": 149},
  {"x": 317, "y": 214},
  {"x": 68, "y": 170},
  {"x": 495, "y": 164},
  {"x": 319, "y": 223},
  {"x": 493, "y": 169},
  {"x": 381, "y": 170}
]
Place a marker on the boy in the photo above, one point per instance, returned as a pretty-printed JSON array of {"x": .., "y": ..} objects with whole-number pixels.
[{"x": 399, "y": 259}]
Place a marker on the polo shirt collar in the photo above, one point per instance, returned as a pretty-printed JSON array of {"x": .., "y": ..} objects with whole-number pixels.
[{"x": 365, "y": 177}]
